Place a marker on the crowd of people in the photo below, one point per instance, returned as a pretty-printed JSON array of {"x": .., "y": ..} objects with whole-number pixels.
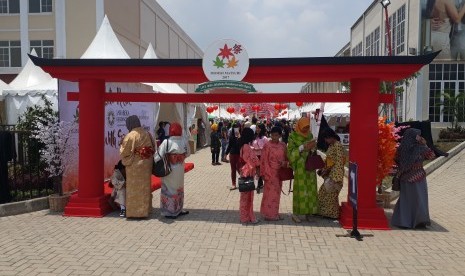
[{"x": 260, "y": 150}]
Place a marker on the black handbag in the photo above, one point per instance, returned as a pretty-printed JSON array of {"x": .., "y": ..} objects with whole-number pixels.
[
  {"x": 396, "y": 182},
  {"x": 246, "y": 184},
  {"x": 162, "y": 167}
]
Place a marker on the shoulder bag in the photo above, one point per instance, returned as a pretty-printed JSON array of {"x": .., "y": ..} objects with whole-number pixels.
[
  {"x": 246, "y": 184},
  {"x": 314, "y": 162},
  {"x": 162, "y": 167}
]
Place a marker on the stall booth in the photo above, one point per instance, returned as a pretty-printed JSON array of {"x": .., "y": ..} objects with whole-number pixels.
[{"x": 364, "y": 73}]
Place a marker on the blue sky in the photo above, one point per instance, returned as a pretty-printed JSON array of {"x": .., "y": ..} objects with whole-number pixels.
[{"x": 270, "y": 28}]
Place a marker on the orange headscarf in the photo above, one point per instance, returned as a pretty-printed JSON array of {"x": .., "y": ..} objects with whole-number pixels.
[
  {"x": 175, "y": 129},
  {"x": 301, "y": 124}
]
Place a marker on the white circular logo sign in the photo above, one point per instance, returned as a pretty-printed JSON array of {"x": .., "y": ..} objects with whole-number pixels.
[{"x": 225, "y": 59}]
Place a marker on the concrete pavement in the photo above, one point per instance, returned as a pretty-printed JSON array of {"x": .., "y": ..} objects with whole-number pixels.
[{"x": 211, "y": 241}]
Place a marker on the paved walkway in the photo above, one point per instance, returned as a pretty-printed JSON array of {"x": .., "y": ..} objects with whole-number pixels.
[{"x": 211, "y": 241}]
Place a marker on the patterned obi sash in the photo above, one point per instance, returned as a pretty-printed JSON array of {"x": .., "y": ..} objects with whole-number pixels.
[
  {"x": 145, "y": 152},
  {"x": 176, "y": 158}
]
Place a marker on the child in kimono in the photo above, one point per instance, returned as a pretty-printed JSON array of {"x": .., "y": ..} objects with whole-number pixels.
[{"x": 118, "y": 183}]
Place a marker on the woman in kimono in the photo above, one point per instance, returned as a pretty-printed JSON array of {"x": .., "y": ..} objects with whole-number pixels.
[
  {"x": 136, "y": 153},
  {"x": 304, "y": 198},
  {"x": 172, "y": 185},
  {"x": 273, "y": 157},
  {"x": 411, "y": 209},
  {"x": 333, "y": 173},
  {"x": 249, "y": 169}
]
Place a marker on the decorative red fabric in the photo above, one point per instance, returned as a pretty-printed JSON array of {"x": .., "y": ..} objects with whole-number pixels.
[{"x": 175, "y": 129}]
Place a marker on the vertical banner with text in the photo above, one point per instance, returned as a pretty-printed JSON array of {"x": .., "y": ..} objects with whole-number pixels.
[{"x": 115, "y": 124}]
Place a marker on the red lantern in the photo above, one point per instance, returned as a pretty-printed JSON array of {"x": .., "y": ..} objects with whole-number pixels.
[
  {"x": 210, "y": 109},
  {"x": 277, "y": 106},
  {"x": 230, "y": 109},
  {"x": 283, "y": 106},
  {"x": 215, "y": 107},
  {"x": 299, "y": 104},
  {"x": 242, "y": 110},
  {"x": 255, "y": 107},
  {"x": 284, "y": 112}
]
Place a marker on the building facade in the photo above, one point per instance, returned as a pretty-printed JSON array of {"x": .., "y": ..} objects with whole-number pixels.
[
  {"x": 418, "y": 27},
  {"x": 64, "y": 29}
]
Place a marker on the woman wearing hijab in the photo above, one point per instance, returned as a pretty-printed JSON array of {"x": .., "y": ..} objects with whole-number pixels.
[
  {"x": 300, "y": 144},
  {"x": 172, "y": 185},
  {"x": 333, "y": 173},
  {"x": 215, "y": 145},
  {"x": 136, "y": 153},
  {"x": 233, "y": 150},
  {"x": 411, "y": 209}
]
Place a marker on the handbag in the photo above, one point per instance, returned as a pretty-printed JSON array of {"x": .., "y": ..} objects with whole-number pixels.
[
  {"x": 162, "y": 167},
  {"x": 314, "y": 162},
  {"x": 285, "y": 174},
  {"x": 396, "y": 182},
  {"x": 246, "y": 184}
]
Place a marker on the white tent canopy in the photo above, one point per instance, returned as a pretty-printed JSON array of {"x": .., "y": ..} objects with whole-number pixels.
[
  {"x": 105, "y": 44},
  {"x": 27, "y": 90},
  {"x": 168, "y": 111}
]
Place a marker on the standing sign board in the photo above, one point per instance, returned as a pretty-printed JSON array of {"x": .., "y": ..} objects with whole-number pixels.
[{"x": 353, "y": 189}]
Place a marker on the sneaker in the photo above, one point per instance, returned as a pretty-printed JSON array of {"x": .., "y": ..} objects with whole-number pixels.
[
  {"x": 122, "y": 213},
  {"x": 218, "y": 163}
]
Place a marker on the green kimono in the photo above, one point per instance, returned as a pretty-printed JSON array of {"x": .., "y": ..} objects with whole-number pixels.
[{"x": 305, "y": 196}]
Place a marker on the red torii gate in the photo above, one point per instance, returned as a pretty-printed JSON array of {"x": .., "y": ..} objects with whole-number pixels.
[{"x": 364, "y": 73}]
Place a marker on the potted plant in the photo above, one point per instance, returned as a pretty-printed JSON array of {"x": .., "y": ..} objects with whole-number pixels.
[{"x": 56, "y": 153}]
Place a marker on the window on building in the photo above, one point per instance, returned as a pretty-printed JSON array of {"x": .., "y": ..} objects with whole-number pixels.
[
  {"x": 397, "y": 24},
  {"x": 444, "y": 79},
  {"x": 372, "y": 43},
  {"x": 10, "y": 53},
  {"x": 400, "y": 106},
  {"x": 358, "y": 50},
  {"x": 40, "y": 6},
  {"x": 9, "y": 6},
  {"x": 44, "y": 48}
]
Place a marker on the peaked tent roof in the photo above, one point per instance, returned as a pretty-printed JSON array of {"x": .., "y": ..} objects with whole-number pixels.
[
  {"x": 30, "y": 75},
  {"x": 161, "y": 87},
  {"x": 3, "y": 86},
  {"x": 105, "y": 44}
]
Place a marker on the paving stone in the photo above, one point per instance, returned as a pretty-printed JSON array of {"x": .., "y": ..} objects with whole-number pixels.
[{"x": 212, "y": 241}]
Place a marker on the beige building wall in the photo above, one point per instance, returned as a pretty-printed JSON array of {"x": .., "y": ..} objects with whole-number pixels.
[
  {"x": 80, "y": 24},
  {"x": 135, "y": 22}
]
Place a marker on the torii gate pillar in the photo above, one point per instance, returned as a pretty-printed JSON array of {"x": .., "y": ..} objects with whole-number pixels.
[
  {"x": 90, "y": 199},
  {"x": 363, "y": 151}
]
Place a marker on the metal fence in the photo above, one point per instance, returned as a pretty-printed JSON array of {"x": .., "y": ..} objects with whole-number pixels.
[{"x": 27, "y": 177}]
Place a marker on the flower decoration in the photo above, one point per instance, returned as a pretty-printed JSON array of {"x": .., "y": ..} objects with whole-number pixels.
[
  {"x": 58, "y": 150},
  {"x": 388, "y": 135}
]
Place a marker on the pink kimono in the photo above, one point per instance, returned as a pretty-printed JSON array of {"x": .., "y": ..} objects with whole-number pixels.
[
  {"x": 249, "y": 169},
  {"x": 273, "y": 157}
]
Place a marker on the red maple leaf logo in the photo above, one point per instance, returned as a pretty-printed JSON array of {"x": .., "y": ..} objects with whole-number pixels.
[{"x": 225, "y": 52}]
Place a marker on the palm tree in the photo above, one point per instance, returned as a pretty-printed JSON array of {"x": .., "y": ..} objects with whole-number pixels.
[{"x": 453, "y": 106}]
